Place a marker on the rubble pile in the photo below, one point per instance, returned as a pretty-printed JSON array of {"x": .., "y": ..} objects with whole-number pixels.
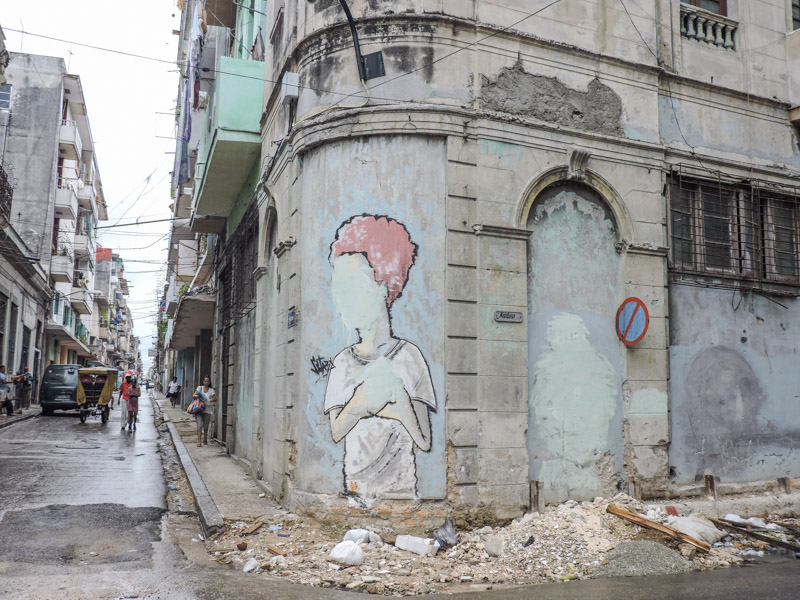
[{"x": 569, "y": 541}]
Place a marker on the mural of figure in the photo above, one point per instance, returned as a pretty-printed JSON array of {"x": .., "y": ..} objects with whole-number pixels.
[{"x": 379, "y": 390}]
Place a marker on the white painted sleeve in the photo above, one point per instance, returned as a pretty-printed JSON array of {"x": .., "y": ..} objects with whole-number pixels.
[
  {"x": 413, "y": 369},
  {"x": 341, "y": 384}
]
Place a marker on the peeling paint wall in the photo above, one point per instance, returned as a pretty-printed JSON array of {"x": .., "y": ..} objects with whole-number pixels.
[
  {"x": 734, "y": 385},
  {"x": 576, "y": 364},
  {"x": 337, "y": 312},
  {"x": 245, "y": 355},
  {"x": 517, "y": 92}
]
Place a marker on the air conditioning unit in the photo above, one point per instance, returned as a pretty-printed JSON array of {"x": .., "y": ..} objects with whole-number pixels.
[{"x": 290, "y": 87}]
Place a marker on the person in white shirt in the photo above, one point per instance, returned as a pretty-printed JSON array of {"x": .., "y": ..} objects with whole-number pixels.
[
  {"x": 379, "y": 393},
  {"x": 173, "y": 391},
  {"x": 207, "y": 394}
]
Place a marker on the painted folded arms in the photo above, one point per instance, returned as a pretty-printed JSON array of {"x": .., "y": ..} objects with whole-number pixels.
[{"x": 397, "y": 386}]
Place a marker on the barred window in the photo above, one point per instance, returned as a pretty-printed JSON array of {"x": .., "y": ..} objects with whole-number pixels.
[
  {"x": 795, "y": 14},
  {"x": 719, "y": 7},
  {"x": 734, "y": 231}
]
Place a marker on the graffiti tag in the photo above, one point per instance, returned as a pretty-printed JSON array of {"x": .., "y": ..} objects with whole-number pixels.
[{"x": 321, "y": 366}]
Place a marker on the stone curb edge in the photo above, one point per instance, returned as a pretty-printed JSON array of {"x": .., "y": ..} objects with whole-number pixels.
[
  {"x": 208, "y": 512},
  {"x": 18, "y": 419}
]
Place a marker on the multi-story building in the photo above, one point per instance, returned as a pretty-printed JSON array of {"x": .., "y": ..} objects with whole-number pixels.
[
  {"x": 217, "y": 160},
  {"x": 426, "y": 275},
  {"x": 58, "y": 198}
]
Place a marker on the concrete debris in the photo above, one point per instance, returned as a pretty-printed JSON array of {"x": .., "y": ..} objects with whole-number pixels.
[
  {"x": 421, "y": 546},
  {"x": 642, "y": 558},
  {"x": 698, "y": 527},
  {"x": 574, "y": 540},
  {"x": 250, "y": 566}
]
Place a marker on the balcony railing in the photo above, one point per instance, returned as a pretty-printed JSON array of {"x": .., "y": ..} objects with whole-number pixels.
[
  {"x": 69, "y": 141},
  {"x": 66, "y": 206},
  {"x": 708, "y": 28},
  {"x": 61, "y": 268}
]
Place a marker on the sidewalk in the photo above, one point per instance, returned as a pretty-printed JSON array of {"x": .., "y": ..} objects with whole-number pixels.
[
  {"x": 222, "y": 489},
  {"x": 29, "y": 413}
]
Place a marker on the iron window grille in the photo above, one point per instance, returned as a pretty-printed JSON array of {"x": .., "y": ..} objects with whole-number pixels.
[
  {"x": 795, "y": 15},
  {"x": 747, "y": 231}
]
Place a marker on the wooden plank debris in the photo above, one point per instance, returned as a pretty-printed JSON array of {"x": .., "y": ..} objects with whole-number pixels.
[
  {"x": 253, "y": 529},
  {"x": 736, "y": 528},
  {"x": 665, "y": 529},
  {"x": 277, "y": 551},
  {"x": 793, "y": 526}
]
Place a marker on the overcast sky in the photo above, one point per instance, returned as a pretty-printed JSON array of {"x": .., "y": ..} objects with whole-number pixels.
[{"x": 124, "y": 98}]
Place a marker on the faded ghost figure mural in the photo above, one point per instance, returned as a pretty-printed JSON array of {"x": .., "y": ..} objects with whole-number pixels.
[{"x": 379, "y": 390}]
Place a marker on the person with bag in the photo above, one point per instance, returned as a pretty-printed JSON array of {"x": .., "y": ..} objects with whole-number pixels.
[
  {"x": 123, "y": 398},
  {"x": 134, "y": 391},
  {"x": 206, "y": 396}
]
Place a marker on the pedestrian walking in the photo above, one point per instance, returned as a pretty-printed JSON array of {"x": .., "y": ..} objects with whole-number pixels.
[
  {"x": 174, "y": 392},
  {"x": 207, "y": 394},
  {"x": 123, "y": 398},
  {"x": 5, "y": 401},
  {"x": 134, "y": 391},
  {"x": 27, "y": 386}
]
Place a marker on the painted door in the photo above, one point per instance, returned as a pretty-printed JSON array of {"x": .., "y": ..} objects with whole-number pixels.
[{"x": 575, "y": 358}]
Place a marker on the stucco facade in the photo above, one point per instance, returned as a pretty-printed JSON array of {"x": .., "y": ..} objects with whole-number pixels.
[{"x": 520, "y": 163}]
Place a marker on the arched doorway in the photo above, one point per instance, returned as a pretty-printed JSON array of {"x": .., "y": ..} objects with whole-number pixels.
[{"x": 575, "y": 361}]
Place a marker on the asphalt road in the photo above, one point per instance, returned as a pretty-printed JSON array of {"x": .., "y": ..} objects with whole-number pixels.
[{"x": 83, "y": 515}]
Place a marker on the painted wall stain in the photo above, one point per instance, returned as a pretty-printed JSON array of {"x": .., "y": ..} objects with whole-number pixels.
[
  {"x": 379, "y": 392},
  {"x": 576, "y": 360},
  {"x": 574, "y": 397}
]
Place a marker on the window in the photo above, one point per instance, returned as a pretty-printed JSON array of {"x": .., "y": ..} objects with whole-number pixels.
[
  {"x": 734, "y": 231},
  {"x": 795, "y": 14},
  {"x": 719, "y": 7},
  {"x": 5, "y": 96}
]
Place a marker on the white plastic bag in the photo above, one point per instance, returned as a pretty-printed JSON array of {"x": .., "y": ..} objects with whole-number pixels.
[
  {"x": 348, "y": 553},
  {"x": 698, "y": 527},
  {"x": 359, "y": 536}
]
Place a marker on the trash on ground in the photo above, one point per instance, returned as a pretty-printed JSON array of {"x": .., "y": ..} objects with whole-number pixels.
[
  {"x": 250, "y": 566},
  {"x": 275, "y": 527},
  {"x": 277, "y": 551},
  {"x": 359, "y": 536},
  {"x": 698, "y": 527},
  {"x": 348, "y": 553},
  {"x": 418, "y": 545},
  {"x": 252, "y": 529},
  {"x": 793, "y": 546},
  {"x": 241, "y": 546},
  {"x": 645, "y": 522},
  {"x": 446, "y": 535},
  {"x": 283, "y": 535}
]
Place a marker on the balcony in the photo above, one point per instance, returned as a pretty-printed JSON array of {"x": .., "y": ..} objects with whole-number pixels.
[
  {"x": 61, "y": 269},
  {"x": 66, "y": 203},
  {"x": 86, "y": 197},
  {"x": 69, "y": 141},
  {"x": 81, "y": 300},
  {"x": 231, "y": 145},
  {"x": 708, "y": 28},
  {"x": 84, "y": 247},
  {"x": 104, "y": 334}
]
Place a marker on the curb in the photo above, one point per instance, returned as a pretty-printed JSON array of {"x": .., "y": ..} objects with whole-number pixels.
[
  {"x": 18, "y": 419},
  {"x": 208, "y": 512}
]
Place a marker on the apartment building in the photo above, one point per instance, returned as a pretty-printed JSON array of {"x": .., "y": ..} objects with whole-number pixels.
[
  {"x": 217, "y": 161},
  {"x": 500, "y": 254},
  {"x": 58, "y": 197}
]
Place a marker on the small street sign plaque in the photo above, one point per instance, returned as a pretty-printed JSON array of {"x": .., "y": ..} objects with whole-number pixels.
[{"x": 503, "y": 316}]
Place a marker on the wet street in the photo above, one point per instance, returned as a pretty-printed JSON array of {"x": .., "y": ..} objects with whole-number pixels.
[{"x": 83, "y": 515}]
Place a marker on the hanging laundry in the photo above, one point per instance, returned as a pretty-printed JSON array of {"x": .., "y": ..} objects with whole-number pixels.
[{"x": 196, "y": 90}]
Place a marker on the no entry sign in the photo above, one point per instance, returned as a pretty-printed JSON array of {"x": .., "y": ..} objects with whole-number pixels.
[{"x": 632, "y": 321}]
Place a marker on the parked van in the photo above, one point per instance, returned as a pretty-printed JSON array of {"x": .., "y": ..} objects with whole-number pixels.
[{"x": 59, "y": 390}]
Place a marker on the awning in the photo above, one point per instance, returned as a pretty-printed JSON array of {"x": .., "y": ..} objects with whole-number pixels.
[{"x": 194, "y": 313}]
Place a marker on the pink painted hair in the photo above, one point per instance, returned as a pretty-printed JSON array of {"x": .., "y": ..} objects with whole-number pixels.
[{"x": 385, "y": 243}]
